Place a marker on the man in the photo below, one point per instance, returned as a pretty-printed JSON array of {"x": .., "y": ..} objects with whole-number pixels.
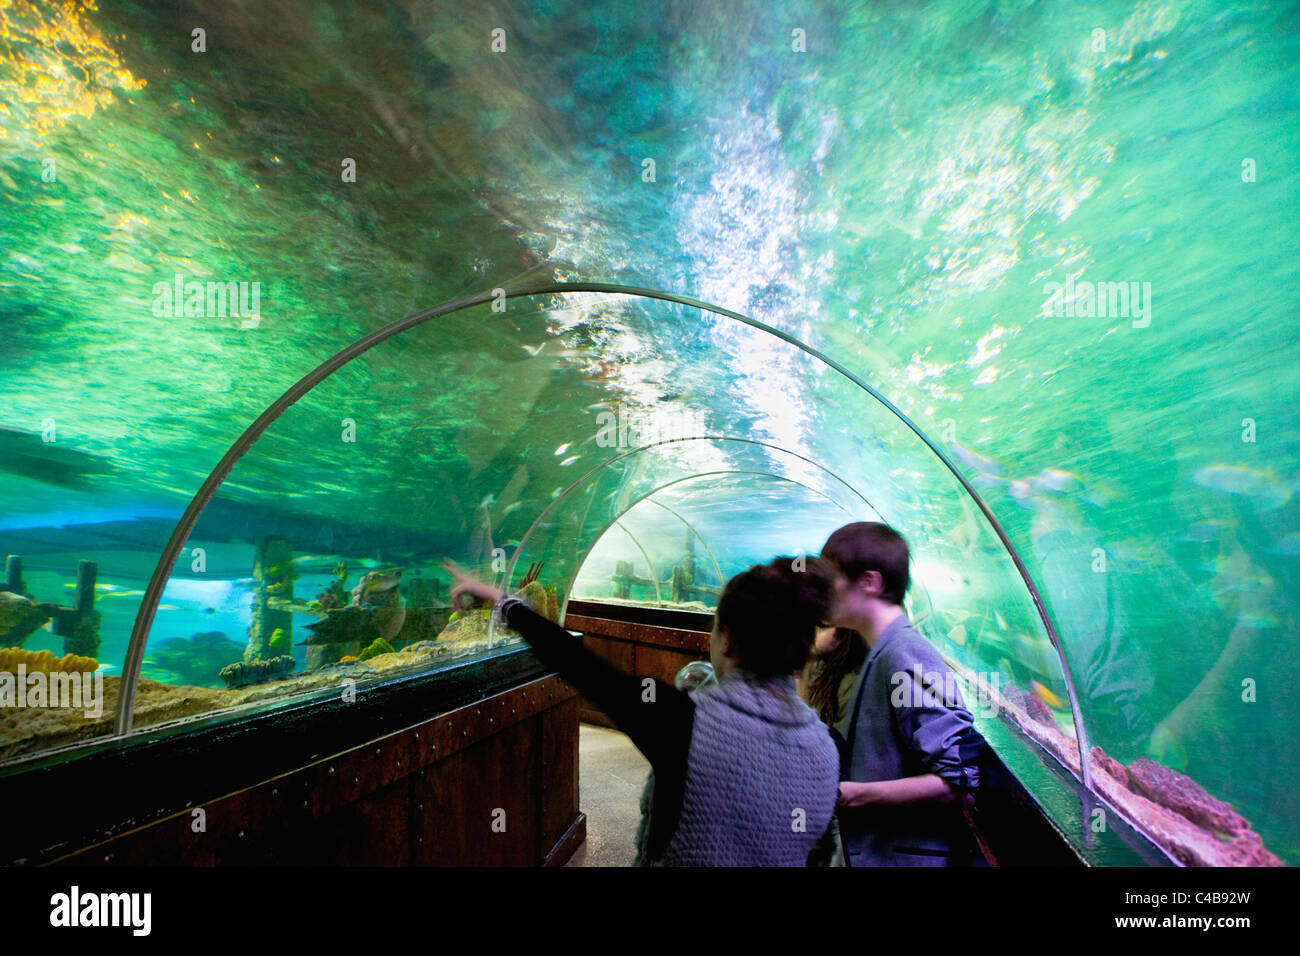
[{"x": 913, "y": 749}]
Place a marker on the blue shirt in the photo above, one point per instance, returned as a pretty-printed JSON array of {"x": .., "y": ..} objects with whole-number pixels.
[{"x": 908, "y": 719}]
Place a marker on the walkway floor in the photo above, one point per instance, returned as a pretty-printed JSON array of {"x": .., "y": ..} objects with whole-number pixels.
[{"x": 611, "y": 776}]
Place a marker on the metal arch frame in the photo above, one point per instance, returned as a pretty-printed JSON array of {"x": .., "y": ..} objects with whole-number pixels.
[
  {"x": 703, "y": 543},
  {"x": 650, "y": 566},
  {"x": 582, "y": 479},
  {"x": 649, "y": 497},
  {"x": 171, "y": 553},
  {"x": 568, "y": 593}
]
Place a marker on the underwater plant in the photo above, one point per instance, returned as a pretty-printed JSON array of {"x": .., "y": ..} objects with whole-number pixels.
[
  {"x": 377, "y": 646},
  {"x": 280, "y": 643}
]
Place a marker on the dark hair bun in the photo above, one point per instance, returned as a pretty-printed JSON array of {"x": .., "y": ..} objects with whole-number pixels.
[{"x": 772, "y": 612}]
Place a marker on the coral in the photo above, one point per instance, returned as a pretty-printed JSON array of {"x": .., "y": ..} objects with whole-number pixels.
[
  {"x": 1104, "y": 761},
  {"x": 377, "y": 646},
  {"x": 44, "y": 662},
  {"x": 1031, "y": 703},
  {"x": 1182, "y": 794},
  {"x": 534, "y": 595},
  {"x": 256, "y": 672},
  {"x": 552, "y": 604},
  {"x": 532, "y": 574}
]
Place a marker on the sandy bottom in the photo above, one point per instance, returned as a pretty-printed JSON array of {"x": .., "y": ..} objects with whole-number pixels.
[{"x": 25, "y": 730}]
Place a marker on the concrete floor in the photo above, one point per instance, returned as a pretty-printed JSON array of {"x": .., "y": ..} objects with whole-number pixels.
[{"x": 611, "y": 776}]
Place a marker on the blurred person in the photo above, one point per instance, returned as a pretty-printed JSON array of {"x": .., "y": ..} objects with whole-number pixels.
[
  {"x": 827, "y": 684},
  {"x": 828, "y": 679},
  {"x": 913, "y": 751}
]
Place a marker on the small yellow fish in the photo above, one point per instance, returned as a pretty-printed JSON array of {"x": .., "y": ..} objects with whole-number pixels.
[{"x": 1047, "y": 697}]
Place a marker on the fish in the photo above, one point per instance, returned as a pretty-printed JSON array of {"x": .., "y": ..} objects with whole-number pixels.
[
  {"x": 1289, "y": 546},
  {"x": 1266, "y": 490},
  {"x": 1047, "y": 697},
  {"x": 982, "y": 464},
  {"x": 1202, "y": 531},
  {"x": 563, "y": 448}
]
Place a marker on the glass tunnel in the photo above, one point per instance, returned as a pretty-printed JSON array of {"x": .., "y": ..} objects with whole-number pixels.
[{"x": 639, "y": 300}]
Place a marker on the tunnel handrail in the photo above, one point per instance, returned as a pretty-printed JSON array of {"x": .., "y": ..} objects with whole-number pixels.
[{"x": 180, "y": 534}]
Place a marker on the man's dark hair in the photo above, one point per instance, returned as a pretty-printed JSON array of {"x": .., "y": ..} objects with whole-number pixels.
[
  {"x": 870, "y": 546},
  {"x": 772, "y": 613}
]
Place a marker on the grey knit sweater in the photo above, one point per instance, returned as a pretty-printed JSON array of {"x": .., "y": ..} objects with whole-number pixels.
[
  {"x": 744, "y": 772},
  {"x": 762, "y": 777}
]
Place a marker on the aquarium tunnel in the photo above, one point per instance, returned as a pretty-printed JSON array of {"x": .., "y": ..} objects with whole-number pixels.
[{"x": 608, "y": 303}]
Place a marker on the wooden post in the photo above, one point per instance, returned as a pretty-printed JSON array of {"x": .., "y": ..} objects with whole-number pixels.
[
  {"x": 80, "y": 624},
  {"x": 271, "y": 553},
  {"x": 688, "y": 559},
  {"x": 622, "y": 579},
  {"x": 87, "y": 573},
  {"x": 14, "y": 575},
  {"x": 679, "y": 585}
]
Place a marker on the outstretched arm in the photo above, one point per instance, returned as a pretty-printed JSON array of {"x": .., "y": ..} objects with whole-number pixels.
[{"x": 656, "y": 716}]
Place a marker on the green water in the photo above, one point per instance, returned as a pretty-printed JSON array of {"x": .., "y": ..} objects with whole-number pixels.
[{"x": 898, "y": 194}]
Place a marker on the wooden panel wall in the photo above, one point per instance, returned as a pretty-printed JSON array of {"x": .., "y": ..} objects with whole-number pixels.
[
  {"x": 493, "y": 783},
  {"x": 645, "y": 650}
]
